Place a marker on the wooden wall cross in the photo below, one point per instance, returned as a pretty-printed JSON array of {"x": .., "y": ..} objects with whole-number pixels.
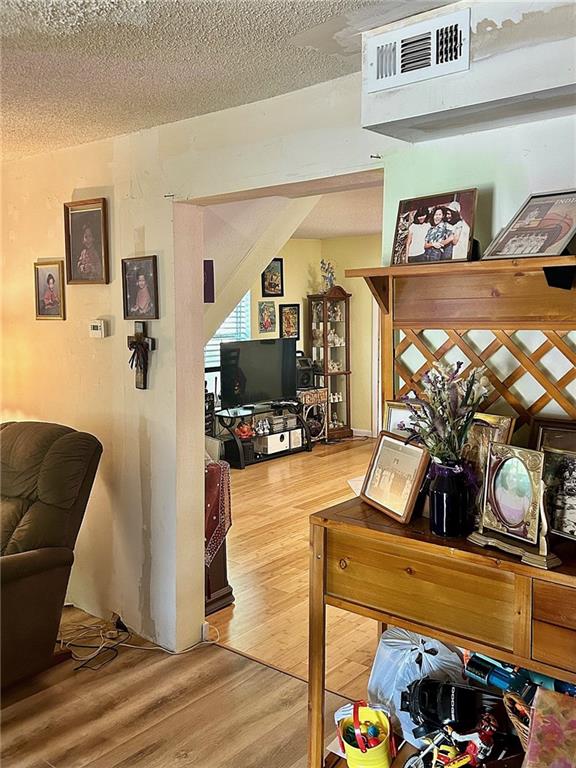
[{"x": 141, "y": 345}]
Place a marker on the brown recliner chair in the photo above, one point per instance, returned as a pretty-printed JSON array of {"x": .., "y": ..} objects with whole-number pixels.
[{"x": 47, "y": 471}]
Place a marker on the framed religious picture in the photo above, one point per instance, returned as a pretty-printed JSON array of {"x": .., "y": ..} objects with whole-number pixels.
[
  {"x": 86, "y": 241},
  {"x": 273, "y": 278},
  {"x": 485, "y": 429},
  {"x": 512, "y": 493},
  {"x": 266, "y": 317},
  {"x": 395, "y": 476},
  {"x": 555, "y": 434},
  {"x": 545, "y": 225},
  {"x": 49, "y": 290},
  {"x": 289, "y": 321},
  {"x": 396, "y": 418},
  {"x": 140, "y": 288},
  {"x": 435, "y": 228}
]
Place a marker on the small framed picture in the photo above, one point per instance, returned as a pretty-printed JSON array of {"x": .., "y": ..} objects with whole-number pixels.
[
  {"x": 556, "y": 434},
  {"x": 395, "y": 476},
  {"x": 273, "y": 278},
  {"x": 140, "y": 288},
  {"x": 545, "y": 225},
  {"x": 512, "y": 492},
  {"x": 560, "y": 491},
  {"x": 289, "y": 321},
  {"x": 435, "y": 228},
  {"x": 49, "y": 290},
  {"x": 266, "y": 317},
  {"x": 486, "y": 428},
  {"x": 396, "y": 418},
  {"x": 86, "y": 241}
]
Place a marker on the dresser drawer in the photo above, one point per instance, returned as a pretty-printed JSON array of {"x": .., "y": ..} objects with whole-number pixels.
[
  {"x": 554, "y": 625},
  {"x": 422, "y": 588}
]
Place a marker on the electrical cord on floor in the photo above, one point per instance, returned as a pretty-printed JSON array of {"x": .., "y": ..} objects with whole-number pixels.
[{"x": 102, "y": 641}]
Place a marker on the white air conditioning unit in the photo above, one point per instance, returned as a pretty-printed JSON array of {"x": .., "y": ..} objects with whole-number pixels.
[{"x": 431, "y": 48}]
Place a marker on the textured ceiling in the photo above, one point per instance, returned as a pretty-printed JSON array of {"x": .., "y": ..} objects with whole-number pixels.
[
  {"x": 344, "y": 214},
  {"x": 73, "y": 71}
]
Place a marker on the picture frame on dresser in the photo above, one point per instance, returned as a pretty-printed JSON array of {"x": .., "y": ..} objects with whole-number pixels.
[{"x": 395, "y": 476}]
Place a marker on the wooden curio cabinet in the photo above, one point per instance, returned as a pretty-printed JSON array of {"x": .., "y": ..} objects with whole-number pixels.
[{"x": 329, "y": 344}]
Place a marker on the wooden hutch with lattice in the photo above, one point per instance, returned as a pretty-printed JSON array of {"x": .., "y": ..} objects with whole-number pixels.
[{"x": 501, "y": 296}]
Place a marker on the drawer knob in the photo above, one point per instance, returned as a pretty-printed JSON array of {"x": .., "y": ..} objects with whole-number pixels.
[
  {"x": 343, "y": 563},
  {"x": 409, "y": 571}
]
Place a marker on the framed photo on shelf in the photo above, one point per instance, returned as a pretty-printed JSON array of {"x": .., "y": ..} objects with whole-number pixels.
[
  {"x": 395, "y": 476},
  {"x": 49, "y": 290},
  {"x": 486, "y": 428},
  {"x": 289, "y": 321},
  {"x": 86, "y": 241},
  {"x": 273, "y": 278},
  {"x": 512, "y": 492},
  {"x": 140, "y": 288},
  {"x": 266, "y": 317},
  {"x": 396, "y": 415},
  {"x": 557, "y": 434},
  {"x": 435, "y": 228},
  {"x": 560, "y": 491},
  {"x": 545, "y": 225}
]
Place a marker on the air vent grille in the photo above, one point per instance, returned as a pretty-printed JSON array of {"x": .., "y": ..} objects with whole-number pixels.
[
  {"x": 416, "y": 52},
  {"x": 432, "y": 48},
  {"x": 448, "y": 44}
]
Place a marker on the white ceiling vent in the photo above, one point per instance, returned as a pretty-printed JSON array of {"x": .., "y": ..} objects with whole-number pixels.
[{"x": 431, "y": 48}]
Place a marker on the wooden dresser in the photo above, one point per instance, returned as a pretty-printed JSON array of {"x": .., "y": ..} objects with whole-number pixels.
[{"x": 479, "y": 599}]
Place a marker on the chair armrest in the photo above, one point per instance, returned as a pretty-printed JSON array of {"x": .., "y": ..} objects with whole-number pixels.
[{"x": 24, "y": 564}]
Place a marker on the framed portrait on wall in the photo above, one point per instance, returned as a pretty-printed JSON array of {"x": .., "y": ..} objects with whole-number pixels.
[
  {"x": 140, "y": 288},
  {"x": 273, "y": 278},
  {"x": 435, "y": 228},
  {"x": 395, "y": 476},
  {"x": 49, "y": 290},
  {"x": 289, "y": 321},
  {"x": 545, "y": 225},
  {"x": 266, "y": 317},
  {"x": 512, "y": 493},
  {"x": 86, "y": 241}
]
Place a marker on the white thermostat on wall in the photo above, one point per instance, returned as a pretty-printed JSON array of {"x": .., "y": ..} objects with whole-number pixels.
[{"x": 97, "y": 329}]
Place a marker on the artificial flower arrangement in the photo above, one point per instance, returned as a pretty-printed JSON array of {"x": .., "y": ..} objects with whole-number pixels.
[{"x": 442, "y": 418}]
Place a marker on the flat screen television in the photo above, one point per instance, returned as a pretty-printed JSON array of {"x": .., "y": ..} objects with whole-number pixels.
[{"x": 257, "y": 371}]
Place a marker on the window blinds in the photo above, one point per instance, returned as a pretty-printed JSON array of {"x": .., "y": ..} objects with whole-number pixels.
[{"x": 236, "y": 327}]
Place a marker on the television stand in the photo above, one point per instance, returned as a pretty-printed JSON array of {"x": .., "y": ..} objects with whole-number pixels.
[{"x": 280, "y": 442}]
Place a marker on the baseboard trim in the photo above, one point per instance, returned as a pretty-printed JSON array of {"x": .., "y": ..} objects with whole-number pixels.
[{"x": 362, "y": 432}]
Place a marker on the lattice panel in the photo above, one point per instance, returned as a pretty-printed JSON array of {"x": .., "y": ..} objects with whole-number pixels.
[{"x": 503, "y": 351}]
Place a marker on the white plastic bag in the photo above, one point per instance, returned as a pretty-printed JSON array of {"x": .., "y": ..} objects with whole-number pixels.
[{"x": 401, "y": 658}]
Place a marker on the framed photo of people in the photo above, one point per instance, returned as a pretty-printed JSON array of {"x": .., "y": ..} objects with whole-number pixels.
[
  {"x": 273, "y": 278},
  {"x": 435, "y": 228},
  {"x": 545, "y": 225},
  {"x": 395, "y": 476},
  {"x": 557, "y": 439},
  {"x": 86, "y": 241},
  {"x": 49, "y": 290},
  {"x": 140, "y": 288}
]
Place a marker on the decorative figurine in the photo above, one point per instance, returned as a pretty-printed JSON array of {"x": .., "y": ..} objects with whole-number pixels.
[
  {"x": 328, "y": 275},
  {"x": 244, "y": 431}
]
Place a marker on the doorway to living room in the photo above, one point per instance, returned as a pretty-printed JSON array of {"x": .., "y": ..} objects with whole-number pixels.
[{"x": 267, "y": 546}]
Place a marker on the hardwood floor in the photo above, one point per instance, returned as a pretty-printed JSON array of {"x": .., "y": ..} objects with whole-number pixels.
[
  {"x": 209, "y": 708},
  {"x": 268, "y": 565}
]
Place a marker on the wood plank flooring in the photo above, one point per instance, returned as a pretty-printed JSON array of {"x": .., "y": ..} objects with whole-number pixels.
[
  {"x": 268, "y": 550},
  {"x": 209, "y": 708}
]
